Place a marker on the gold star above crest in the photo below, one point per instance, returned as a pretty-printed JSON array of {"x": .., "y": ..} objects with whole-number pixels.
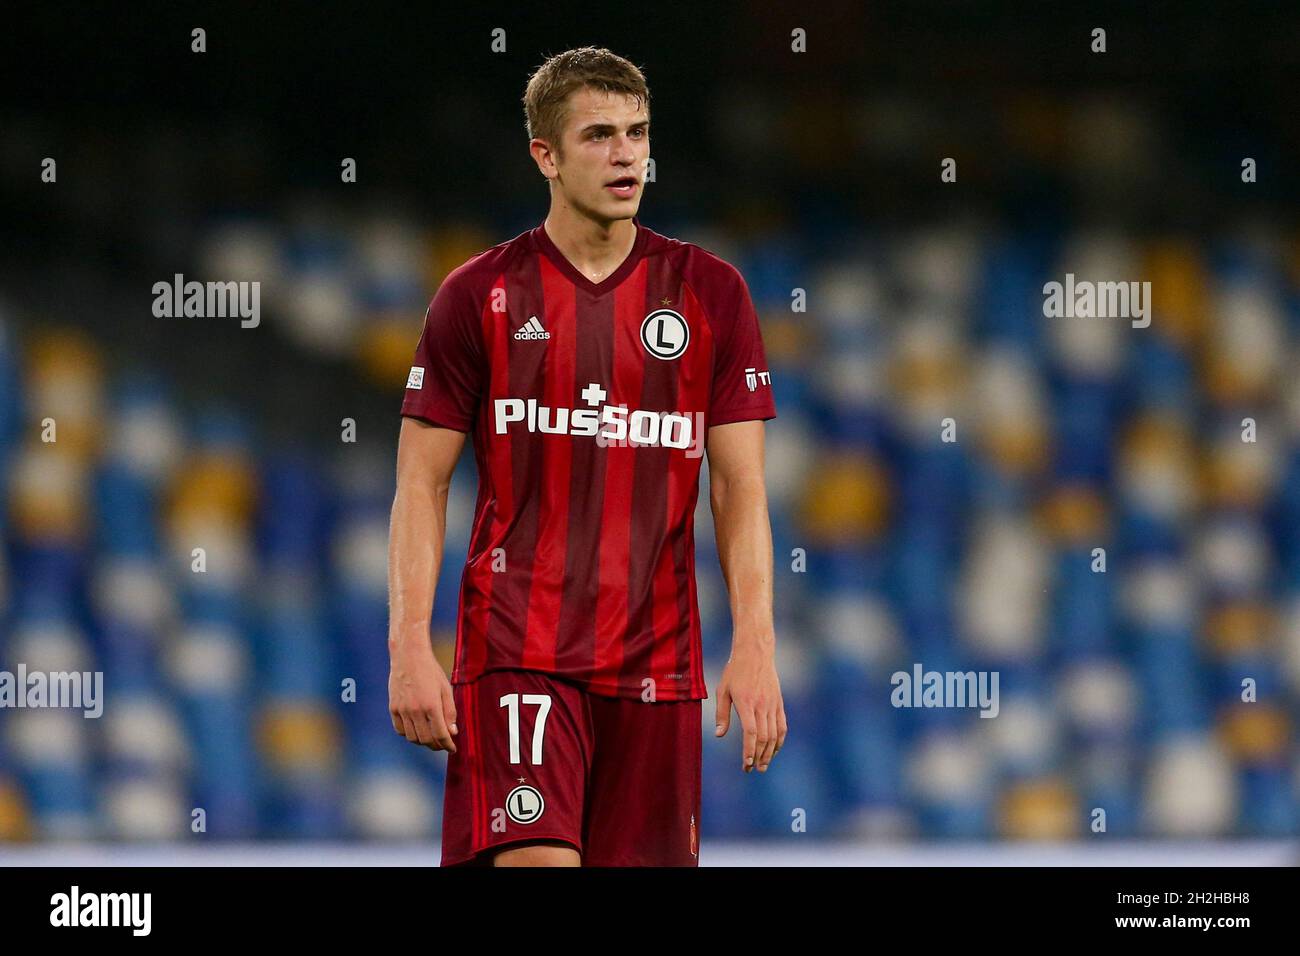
[{"x": 665, "y": 301}]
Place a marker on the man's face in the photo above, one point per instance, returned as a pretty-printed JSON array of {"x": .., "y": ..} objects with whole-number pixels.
[{"x": 606, "y": 145}]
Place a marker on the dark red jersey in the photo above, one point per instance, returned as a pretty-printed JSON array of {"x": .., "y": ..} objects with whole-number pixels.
[{"x": 588, "y": 404}]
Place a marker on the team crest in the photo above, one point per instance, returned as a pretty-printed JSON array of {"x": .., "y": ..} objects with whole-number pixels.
[
  {"x": 524, "y": 804},
  {"x": 665, "y": 334}
]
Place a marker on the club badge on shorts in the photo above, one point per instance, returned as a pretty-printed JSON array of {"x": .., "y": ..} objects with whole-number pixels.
[{"x": 524, "y": 804}]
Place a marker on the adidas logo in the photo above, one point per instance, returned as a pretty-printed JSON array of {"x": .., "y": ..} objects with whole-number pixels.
[{"x": 532, "y": 329}]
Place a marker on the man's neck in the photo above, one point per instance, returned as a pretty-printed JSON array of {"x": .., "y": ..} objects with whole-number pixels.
[{"x": 595, "y": 249}]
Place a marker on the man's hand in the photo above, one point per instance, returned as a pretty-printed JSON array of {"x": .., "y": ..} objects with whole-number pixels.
[
  {"x": 419, "y": 697},
  {"x": 749, "y": 682}
]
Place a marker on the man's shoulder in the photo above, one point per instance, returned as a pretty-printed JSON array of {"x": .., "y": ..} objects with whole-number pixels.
[
  {"x": 480, "y": 271},
  {"x": 692, "y": 259}
]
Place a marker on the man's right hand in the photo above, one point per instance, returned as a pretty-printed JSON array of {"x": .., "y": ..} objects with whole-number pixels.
[{"x": 419, "y": 697}]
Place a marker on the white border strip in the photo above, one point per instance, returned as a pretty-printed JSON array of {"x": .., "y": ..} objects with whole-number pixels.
[{"x": 1226, "y": 853}]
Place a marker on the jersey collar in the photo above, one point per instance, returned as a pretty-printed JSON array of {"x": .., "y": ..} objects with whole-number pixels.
[{"x": 571, "y": 271}]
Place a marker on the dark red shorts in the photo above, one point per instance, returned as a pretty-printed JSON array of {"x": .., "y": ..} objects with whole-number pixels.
[{"x": 540, "y": 759}]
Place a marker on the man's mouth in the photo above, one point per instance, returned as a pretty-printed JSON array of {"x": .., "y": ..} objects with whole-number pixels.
[{"x": 624, "y": 186}]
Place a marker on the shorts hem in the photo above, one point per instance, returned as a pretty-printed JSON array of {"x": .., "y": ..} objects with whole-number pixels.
[
  {"x": 642, "y": 864},
  {"x": 470, "y": 857}
]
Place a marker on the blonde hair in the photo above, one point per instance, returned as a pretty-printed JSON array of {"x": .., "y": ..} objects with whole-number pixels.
[{"x": 546, "y": 96}]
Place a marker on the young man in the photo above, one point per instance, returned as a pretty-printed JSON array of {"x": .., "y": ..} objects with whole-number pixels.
[{"x": 592, "y": 359}]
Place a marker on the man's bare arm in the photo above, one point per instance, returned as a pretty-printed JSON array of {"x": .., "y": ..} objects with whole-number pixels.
[
  {"x": 744, "y": 533},
  {"x": 419, "y": 694}
]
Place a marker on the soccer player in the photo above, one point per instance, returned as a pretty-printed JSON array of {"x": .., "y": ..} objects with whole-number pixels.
[{"x": 594, "y": 362}]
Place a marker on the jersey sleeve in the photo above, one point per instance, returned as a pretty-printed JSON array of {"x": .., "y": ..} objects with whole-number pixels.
[
  {"x": 742, "y": 385},
  {"x": 447, "y": 376}
]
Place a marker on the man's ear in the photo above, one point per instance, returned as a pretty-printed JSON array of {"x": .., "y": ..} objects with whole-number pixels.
[{"x": 536, "y": 149}]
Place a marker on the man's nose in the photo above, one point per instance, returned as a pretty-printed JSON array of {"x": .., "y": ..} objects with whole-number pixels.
[{"x": 623, "y": 153}]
